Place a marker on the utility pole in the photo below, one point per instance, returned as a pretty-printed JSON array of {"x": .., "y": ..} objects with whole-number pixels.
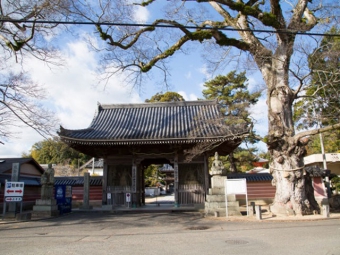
[
  {"x": 323, "y": 156},
  {"x": 324, "y": 163}
]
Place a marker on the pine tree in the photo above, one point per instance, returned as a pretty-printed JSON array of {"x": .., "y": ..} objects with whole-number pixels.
[{"x": 232, "y": 94}]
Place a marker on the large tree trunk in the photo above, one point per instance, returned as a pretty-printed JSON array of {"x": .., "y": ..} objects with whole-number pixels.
[{"x": 287, "y": 153}]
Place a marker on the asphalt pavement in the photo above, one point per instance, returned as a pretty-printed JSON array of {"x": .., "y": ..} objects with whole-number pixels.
[{"x": 176, "y": 232}]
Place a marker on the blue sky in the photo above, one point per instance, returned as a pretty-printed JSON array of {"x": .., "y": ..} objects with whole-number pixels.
[{"x": 72, "y": 90}]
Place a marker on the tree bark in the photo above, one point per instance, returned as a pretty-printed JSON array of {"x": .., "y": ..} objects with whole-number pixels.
[{"x": 287, "y": 166}]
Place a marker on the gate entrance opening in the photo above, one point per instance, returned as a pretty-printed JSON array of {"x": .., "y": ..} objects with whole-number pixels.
[{"x": 158, "y": 177}]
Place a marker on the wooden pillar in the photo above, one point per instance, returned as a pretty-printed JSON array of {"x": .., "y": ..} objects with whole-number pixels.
[
  {"x": 134, "y": 183},
  {"x": 142, "y": 185},
  {"x": 206, "y": 174},
  {"x": 104, "y": 184},
  {"x": 176, "y": 180}
]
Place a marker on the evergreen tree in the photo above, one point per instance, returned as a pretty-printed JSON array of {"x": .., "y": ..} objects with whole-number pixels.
[
  {"x": 166, "y": 97},
  {"x": 232, "y": 94},
  {"x": 54, "y": 151}
]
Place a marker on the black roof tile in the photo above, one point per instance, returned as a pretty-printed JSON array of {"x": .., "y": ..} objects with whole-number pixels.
[
  {"x": 152, "y": 122},
  {"x": 77, "y": 180},
  {"x": 251, "y": 177}
]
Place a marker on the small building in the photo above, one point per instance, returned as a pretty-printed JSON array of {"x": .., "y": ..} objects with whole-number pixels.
[
  {"x": 259, "y": 167},
  {"x": 93, "y": 166},
  {"x": 30, "y": 173},
  {"x": 332, "y": 160},
  {"x": 130, "y": 137}
]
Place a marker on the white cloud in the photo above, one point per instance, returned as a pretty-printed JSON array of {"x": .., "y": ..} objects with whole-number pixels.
[
  {"x": 188, "y": 75},
  {"x": 204, "y": 70},
  {"x": 259, "y": 113},
  {"x": 71, "y": 93},
  {"x": 141, "y": 14},
  {"x": 190, "y": 97}
]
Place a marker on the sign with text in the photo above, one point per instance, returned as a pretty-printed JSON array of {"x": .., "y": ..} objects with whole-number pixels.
[
  {"x": 134, "y": 178},
  {"x": 14, "y": 189},
  {"x": 13, "y": 199},
  {"x": 128, "y": 197}
]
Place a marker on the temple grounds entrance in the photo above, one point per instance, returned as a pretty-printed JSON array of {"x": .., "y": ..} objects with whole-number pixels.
[
  {"x": 130, "y": 137},
  {"x": 184, "y": 183}
]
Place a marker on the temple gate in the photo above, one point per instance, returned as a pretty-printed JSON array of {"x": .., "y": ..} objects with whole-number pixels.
[{"x": 131, "y": 137}]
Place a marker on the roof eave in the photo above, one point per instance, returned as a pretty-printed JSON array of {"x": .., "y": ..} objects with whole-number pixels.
[{"x": 152, "y": 141}]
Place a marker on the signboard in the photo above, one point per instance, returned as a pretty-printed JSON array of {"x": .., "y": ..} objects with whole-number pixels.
[
  {"x": 235, "y": 187},
  {"x": 13, "y": 199},
  {"x": 63, "y": 196},
  {"x": 128, "y": 197},
  {"x": 176, "y": 173},
  {"x": 14, "y": 189},
  {"x": 134, "y": 178},
  {"x": 334, "y": 157}
]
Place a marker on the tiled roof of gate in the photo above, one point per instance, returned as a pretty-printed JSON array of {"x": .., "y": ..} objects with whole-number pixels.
[{"x": 174, "y": 122}]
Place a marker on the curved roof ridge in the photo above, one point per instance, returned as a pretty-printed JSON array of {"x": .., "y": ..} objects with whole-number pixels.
[{"x": 156, "y": 104}]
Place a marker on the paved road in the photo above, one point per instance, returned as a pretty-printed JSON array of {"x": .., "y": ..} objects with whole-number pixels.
[{"x": 167, "y": 233}]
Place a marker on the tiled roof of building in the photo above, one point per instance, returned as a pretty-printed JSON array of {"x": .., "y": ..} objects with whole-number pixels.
[
  {"x": 251, "y": 177},
  {"x": 97, "y": 164},
  {"x": 6, "y": 163},
  {"x": 154, "y": 123}
]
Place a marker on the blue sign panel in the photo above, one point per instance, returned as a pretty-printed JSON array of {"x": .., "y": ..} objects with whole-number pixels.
[{"x": 63, "y": 195}]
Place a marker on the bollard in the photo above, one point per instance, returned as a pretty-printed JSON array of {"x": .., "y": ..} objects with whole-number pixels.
[
  {"x": 217, "y": 214},
  {"x": 252, "y": 204},
  {"x": 258, "y": 212},
  {"x": 325, "y": 211}
]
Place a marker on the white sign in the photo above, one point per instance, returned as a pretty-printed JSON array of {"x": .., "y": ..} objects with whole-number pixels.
[
  {"x": 235, "y": 186},
  {"x": 13, "y": 199},
  {"x": 128, "y": 197},
  {"x": 334, "y": 157},
  {"x": 14, "y": 189}
]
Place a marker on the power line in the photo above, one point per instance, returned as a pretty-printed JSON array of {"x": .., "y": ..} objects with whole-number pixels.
[{"x": 165, "y": 26}]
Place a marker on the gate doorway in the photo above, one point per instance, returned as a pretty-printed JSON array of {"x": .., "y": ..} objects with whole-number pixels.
[
  {"x": 158, "y": 182},
  {"x": 154, "y": 182}
]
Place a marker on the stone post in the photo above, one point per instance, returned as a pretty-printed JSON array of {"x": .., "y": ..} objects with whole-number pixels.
[
  {"x": 325, "y": 211},
  {"x": 86, "y": 193},
  {"x": 14, "y": 178},
  {"x": 258, "y": 212}
]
